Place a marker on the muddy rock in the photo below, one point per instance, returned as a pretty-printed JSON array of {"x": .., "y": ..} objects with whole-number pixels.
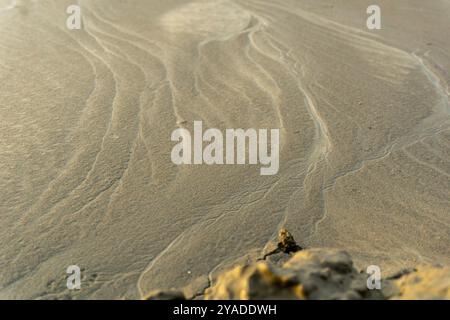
[
  {"x": 424, "y": 283},
  {"x": 286, "y": 242},
  {"x": 309, "y": 274},
  {"x": 325, "y": 274}
]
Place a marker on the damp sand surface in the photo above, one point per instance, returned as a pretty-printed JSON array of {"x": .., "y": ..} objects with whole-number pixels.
[{"x": 86, "y": 118}]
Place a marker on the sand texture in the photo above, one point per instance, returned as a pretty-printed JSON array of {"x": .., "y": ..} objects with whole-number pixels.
[
  {"x": 323, "y": 274},
  {"x": 86, "y": 118}
]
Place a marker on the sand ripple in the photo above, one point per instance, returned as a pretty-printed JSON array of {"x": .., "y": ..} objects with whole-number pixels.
[{"x": 85, "y": 169}]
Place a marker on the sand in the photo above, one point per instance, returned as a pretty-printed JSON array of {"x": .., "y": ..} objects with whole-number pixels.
[{"x": 86, "y": 118}]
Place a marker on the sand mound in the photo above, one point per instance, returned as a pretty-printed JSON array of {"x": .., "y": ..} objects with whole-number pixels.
[
  {"x": 86, "y": 118},
  {"x": 319, "y": 274}
]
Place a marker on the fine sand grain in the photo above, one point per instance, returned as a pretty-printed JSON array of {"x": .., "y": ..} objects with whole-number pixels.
[{"x": 86, "y": 118}]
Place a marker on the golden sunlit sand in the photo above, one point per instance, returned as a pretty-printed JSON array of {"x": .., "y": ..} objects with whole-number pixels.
[{"x": 86, "y": 118}]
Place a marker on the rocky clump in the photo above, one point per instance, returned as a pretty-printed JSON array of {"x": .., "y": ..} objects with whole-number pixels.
[
  {"x": 286, "y": 242},
  {"x": 281, "y": 251},
  {"x": 288, "y": 272},
  {"x": 424, "y": 283},
  {"x": 309, "y": 274},
  {"x": 325, "y": 274}
]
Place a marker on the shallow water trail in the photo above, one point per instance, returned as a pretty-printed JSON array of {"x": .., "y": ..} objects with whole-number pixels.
[{"x": 86, "y": 175}]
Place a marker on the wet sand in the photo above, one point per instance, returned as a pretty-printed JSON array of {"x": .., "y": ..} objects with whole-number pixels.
[{"x": 86, "y": 118}]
